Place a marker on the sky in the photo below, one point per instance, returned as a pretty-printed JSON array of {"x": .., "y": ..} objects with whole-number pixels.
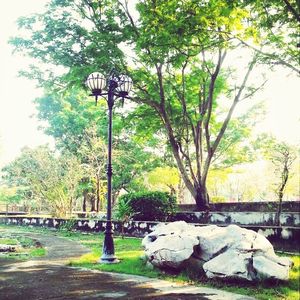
[{"x": 19, "y": 127}]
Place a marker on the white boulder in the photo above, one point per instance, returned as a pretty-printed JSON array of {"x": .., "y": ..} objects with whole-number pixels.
[
  {"x": 229, "y": 264},
  {"x": 224, "y": 252},
  {"x": 179, "y": 249}
]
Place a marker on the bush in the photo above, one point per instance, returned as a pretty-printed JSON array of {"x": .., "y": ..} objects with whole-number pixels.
[{"x": 147, "y": 206}]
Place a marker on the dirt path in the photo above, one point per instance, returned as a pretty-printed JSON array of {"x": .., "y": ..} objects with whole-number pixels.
[{"x": 48, "y": 277}]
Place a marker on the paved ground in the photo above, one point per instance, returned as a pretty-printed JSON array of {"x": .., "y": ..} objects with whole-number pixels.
[{"x": 49, "y": 278}]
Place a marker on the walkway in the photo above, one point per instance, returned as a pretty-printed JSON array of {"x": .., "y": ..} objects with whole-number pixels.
[{"x": 49, "y": 278}]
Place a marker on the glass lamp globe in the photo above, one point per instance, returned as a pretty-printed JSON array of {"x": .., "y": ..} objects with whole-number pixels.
[
  {"x": 96, "y": 82},
  {"x": 124, "y": 85}
]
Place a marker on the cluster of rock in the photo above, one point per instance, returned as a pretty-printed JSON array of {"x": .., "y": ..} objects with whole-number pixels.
[{"x": 223, "y": 252}]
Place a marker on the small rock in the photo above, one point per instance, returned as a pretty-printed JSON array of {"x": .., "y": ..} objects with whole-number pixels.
[{"x": 7, "y": 248}]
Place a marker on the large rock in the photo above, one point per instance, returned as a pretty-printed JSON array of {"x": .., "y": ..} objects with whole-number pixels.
[
  {"x": 179, "y": 249},
  {"x": 224, "y": 252}
]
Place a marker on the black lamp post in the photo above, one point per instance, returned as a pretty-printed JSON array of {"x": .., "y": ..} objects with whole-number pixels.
[{"x": 117, "y": 86}]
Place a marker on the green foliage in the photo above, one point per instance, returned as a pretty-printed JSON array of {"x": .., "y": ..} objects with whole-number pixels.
[
  {"x": 178, "y": 49},
  {"x": 81, "y": 128},
  {"x": 45, "y": 178},
  {"x": 123, "y": 211},
  {"x": 8, "y": 241},
  {"x": 282, "y": 156},
  {"x": 148, "y": 206},
  {"x": 68, "y": 225},
  {"x": 218, "y": 199},
  {"x": 277, "y": 31},
  {"x": 10, "y": 195},
  {"x": 164, "y": 178},
  {"x": 69, "y": 115}
]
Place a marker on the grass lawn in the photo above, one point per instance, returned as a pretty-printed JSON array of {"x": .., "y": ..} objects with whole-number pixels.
[
  {"x": 129, "y": 251},
  {"x": 26, "y": 248}
]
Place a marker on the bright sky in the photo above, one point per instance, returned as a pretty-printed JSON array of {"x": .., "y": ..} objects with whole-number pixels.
[{"x": 18, "y": 128}]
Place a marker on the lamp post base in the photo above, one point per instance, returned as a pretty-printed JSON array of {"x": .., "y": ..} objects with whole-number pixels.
[
  {"x": 108, "y": 253},
  {"x": 108, "y": 259}
]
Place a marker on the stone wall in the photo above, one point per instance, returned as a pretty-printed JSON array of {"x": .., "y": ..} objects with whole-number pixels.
[
  {"x": 266, "y": 206},
  {"x": 283, "y": 238},
  {"x": 239, "y": 218}
]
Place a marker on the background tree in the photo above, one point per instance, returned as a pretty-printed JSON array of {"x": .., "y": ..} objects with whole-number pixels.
[
  {"x": 49, "y": 180},
  {"x": 93, "y": 154},
  {"x": 282, "y": 157},
  {"x": 9, "y": 196}
]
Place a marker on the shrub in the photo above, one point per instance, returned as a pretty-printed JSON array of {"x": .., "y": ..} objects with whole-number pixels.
[
  {"x": 68, "y": 225},
  {"x": 147, "y": 206}
]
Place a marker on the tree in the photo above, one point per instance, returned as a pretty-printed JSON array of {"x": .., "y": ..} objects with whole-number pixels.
[
  {"x": 187, "y": 81},
  {"x": 9, "y": 196},
  {"x": 45, "y": 178},
  {"x": 93, "y": 154},
  {"x": 81, "y": 128},
  {"x": 178, "y": 48},
  {"x": 282, "y": 157}
]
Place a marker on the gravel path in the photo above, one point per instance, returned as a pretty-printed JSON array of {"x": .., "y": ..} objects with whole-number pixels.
[{"x": 48, "y": 277}]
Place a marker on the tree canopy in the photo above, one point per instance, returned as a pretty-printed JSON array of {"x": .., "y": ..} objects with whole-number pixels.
[{"x": 175, "y": 52}]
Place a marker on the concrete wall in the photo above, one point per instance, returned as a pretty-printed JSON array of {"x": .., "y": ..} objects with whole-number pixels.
[
  {"x": 239, "y": 218},
  {"x": 283, "y": 238},
  {"x": 262, "y": 206}
]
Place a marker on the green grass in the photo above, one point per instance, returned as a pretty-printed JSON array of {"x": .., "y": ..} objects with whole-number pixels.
[
  {"x": 267, "y": 290},
  {"x": 37, "y": 252},
  {"x": 129, "y": 251},
  {"x": 26, "y": 248},
  {"x": 8, "y": 241}
]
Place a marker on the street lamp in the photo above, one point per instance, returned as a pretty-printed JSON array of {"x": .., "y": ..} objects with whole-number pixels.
[{"x": 117, "y": 86}]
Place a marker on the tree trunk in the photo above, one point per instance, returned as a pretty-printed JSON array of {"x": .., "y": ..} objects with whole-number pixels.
[
  {"x": 279, "y": 209},
  {"x": 93, "y": 202},
  {"x": 202, "y": 198},
  {"x": 97, "y": 194},
  {"x": 180, "y": 188},
  {"x": 85, "y": 193},
  {"x": 284, "y": 178},
  {"x": 172, "y": 190},
  {"x": 71, "y": 206}
]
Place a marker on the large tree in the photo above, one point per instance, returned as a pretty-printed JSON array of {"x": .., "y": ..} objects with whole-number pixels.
[{"x": 175, "y": 53}]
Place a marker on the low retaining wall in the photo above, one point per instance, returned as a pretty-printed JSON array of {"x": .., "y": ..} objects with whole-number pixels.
[
  {"x": 239, "y": 218},
  {"x": 259, "y": 206},
  {"x": 282, "y": 238}
]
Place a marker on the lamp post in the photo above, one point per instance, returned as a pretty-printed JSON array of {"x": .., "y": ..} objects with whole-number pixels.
[{"x": 117, "y": 86}]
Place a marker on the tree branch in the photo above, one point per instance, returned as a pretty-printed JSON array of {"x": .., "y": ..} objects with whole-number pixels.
[
  {"x": 292, "y": 10},
  {"x": 227, "y": 119}
]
